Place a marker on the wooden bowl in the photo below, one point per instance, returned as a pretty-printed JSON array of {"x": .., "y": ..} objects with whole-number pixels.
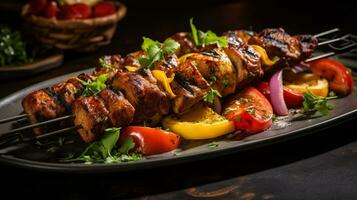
[{"x": 79, "y": 35}]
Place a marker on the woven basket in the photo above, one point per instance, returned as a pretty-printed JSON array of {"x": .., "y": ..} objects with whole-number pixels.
[{"x": 79, "y": 35}]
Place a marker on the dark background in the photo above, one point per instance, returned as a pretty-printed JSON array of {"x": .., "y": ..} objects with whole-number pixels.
[{"x": 319, "y": 166}]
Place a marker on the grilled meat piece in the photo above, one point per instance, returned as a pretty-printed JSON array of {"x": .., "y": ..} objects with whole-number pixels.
[
  {"x": 132, "y": 59},
  {"x": 186, "y": 44},
  {"x": 147, "y": 99},
  {"x": 41, "y": 106},
  {"x": 91, "y": 116},
  {"x": 245, "y": 59},
  {"x": 189, "y": 86},
  {"x": 291, "y": 50},
  {"x": 53, "y": 102},
  {"x": 216, "y": 68},
  {"x": 308, "y": 45},
  {"x": 121, "y": 112}
]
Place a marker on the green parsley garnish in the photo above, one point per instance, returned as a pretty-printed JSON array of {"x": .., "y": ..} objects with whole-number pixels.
[
  {"x": 212, "y": 145},
  {"x": 155, "y": 50},
  {"x": 105, "y": 64},
  {"x": 12, "y": 48},
  {"x": 209, "y": 97},
  {"x": 103, "y": 151},
  {"x": 203, "y": 39},
  {"x": 94, "y": 87},
  {"x": 313, "y": 103}
]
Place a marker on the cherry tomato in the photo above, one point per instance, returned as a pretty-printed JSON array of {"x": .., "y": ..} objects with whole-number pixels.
[
  {"x": 37, "y": 6},
  {"x": 250, "y": 110},
  {"x": 149, "y": 141},
  {"x": 292, "y": 98},
  {"x": 76, "y": 11},
  {"x": 103, "y": 9},
  {"x": 338, "y": 76},
  {"x": 51, "y": 10}
]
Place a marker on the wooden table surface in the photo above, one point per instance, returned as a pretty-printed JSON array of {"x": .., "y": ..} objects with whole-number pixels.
[{"x": 318, "y": 166}]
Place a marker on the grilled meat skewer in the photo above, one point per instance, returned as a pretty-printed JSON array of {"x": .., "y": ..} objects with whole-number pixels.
[{"x": 138, "y": 97}]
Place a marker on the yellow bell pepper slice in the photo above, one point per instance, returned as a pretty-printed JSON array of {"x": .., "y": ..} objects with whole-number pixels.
[
  {"x": 162, "y": 78},
  {"x": 199, "y": 123},
  {"x": 264, "y": 56},
  {"x": 132, "y": 68},
  {"x": 184, "y": 57},
  {"x": 306, "y": 82}
]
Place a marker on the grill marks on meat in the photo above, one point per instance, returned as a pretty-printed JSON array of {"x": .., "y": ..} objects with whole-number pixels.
[
  {"x": 121, "y": 112},
  {"x": 94, "y": 114},
  {"x": 217, "y": 66},
  {"x": 290, "y": 49},
  {"x": 147, "y": 99},
  {"x": 40, "y": 106},
  {"x": 53, "y": 102},
  {"x": 189, "y": 86},
  {"x": 91, "y": 116},
  {"x": 245, "y": 59}
]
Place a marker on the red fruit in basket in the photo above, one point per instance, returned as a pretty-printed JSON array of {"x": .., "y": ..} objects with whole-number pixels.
[
  {"x": 37, "y": 6},
  {"x": 103, "y": 9},
  {"x": 52, "y": 10},
  {"x": 76, "y": 11}
]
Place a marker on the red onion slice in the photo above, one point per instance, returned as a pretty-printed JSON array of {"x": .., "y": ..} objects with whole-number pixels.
[{"x": 277, "y": 94}]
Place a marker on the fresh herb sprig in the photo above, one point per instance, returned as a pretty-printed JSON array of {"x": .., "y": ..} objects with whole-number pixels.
[
  {"x": 95, "y": 86},
  {"x": 156, "y": 51},
  {"x": 103, "y": 151},
  {"x": 211, "y": 94},
  {"x": 12, "y": 48},
  {"x": 203, "y": 39},
  {"x": 313, "y": 103}
]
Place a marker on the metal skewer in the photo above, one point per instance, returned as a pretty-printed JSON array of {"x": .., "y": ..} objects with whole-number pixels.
[
  {"x": 333, "y": 40},
  {"x": 36, "y": 125},
  {"x": 327, "y": 32},
  {"x": 13, "y": 118}
]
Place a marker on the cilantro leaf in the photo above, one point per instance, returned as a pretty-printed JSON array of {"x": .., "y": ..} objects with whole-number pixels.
[
  {"x": 313, "y": 103},
  {"x": 170, "y": 46},
  {"x": 202, "y": 39},
  {"x": 155, "y": 50},
  {"x": 209, "y": 97},
  {"x": 95, "y": 86},
  {"x": 147, "y": 42}
]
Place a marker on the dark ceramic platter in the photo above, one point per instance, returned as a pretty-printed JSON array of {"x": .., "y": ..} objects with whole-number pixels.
[{"x": 288, "y": 128}]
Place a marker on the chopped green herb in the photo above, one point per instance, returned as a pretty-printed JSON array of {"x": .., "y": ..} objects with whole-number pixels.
[
  {"x": 209, "y": 97},
  {"x": 313, "y": 103},
  {"x": 212, "y": 145},
  {"x": 213, "y": 79},
  {"x": 239, "y": 119},
  {"x": 203, "y": 39},
  {"x": 156, "y": 51},
  {"x": 225, "y": 83},
  {"x": 332, "y": 94},
  {"x": 12, "y": 48},
  {"x": 93, "y": 87},
  {"x": 274, "y": 118},
  {"x": 105, "y": 64},
  {"x": 245, "y": 100}
]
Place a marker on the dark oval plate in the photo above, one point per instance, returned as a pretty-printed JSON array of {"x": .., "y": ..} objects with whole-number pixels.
[{"x": 288, "y": 128}]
